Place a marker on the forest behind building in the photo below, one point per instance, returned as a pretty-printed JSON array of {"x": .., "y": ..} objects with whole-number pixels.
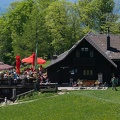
[{"x": 56, "y": 25}]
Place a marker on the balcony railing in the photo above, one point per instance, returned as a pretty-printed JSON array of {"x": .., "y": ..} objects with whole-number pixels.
[{"x": 84, "y": 61}]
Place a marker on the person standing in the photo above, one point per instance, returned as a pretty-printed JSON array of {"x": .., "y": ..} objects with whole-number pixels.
[
  {"x": 5, "y": 100},
  {"x": 114, "y": 82}
]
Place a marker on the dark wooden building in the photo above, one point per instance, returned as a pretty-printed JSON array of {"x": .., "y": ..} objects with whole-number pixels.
[{"x": 94, "y": 57}]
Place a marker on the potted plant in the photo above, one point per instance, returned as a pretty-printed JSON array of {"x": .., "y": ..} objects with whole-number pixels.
[
  {"x": 80, "y": 82},
  {"x": 97, "y": 83}
]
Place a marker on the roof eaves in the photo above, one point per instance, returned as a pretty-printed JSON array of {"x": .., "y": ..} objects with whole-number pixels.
[{"x": 58, "y": 59}]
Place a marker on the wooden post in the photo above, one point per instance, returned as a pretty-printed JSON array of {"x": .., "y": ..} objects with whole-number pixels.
[{"x": 14, "y": 96}]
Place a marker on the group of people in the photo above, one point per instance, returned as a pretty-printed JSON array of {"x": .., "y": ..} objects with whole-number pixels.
[{"x": 26, "y": 74}]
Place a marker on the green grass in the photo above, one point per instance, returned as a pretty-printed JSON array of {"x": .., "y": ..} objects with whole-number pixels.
[{"x": 74, "y": 105}]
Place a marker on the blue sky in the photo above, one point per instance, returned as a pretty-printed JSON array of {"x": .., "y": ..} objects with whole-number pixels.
[{"x": 4, "y": 4}]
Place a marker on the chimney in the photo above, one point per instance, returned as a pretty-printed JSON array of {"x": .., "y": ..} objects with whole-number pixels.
[
  {"x": 108, "y": 39},
  {"x": 54, "y": 57}
]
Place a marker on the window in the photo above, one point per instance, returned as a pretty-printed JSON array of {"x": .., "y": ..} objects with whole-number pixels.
[
  {"x": 82, "y": 49},
  {"x": 72, "y": 72},
  {"x": 84, "y": 72},
  {"x": 77, "y": 53},
  {"x": 75, "y": 70},
  {"x": 91, "y": 54},
  {"x": 91, "y": 72},
  {"x": 5, "y": 91},
  {"x": 87, "y": 72},
  {"x": 86, "y": 49},
  {"x": 84, "y": 52}
]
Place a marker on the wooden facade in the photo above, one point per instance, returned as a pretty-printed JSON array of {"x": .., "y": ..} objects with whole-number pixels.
[{"x": 89, "y": 59}]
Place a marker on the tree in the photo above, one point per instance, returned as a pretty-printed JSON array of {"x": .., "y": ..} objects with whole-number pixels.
[
  {"x": 6, "y": 50},
  {"x": 12, "y": 27},
  {"x": 54, "y": 24},
  {"x": 35, "y": 30},
  {"x": 94, "y": 12},
  {"x": 63, "y": 23},
  {"x": 17, "y": 17}
]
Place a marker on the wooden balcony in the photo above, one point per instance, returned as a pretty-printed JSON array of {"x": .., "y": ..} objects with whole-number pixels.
[{"x": 84, "y": 61}]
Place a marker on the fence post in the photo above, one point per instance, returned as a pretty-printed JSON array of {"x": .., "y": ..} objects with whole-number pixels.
[{"x": 14, "y": 94}]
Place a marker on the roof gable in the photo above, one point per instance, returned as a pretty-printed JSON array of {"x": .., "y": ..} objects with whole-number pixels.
[{"x": 88, "y": 38}]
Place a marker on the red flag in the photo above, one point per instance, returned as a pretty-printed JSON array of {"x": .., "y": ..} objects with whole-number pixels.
[{"x": 17, "y": 64}]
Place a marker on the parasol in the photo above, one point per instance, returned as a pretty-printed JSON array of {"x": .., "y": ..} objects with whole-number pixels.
[{"x": 5, "y": 66}]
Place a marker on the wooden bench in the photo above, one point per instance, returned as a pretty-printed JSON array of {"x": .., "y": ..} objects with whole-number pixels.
[{"x": 48, "y": 87}]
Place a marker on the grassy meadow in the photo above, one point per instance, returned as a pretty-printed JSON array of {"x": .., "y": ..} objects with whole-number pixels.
[{"x": 73, "y": 105}]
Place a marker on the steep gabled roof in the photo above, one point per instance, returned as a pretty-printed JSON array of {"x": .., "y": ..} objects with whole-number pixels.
[
  {"x": 88, "y": 37},
  {"x": 101, "y": 41}
]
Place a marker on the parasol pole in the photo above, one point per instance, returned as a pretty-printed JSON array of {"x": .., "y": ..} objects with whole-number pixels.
[
  {"x": 36, "y": 52},
  {"x": 36, "y": 64}
]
